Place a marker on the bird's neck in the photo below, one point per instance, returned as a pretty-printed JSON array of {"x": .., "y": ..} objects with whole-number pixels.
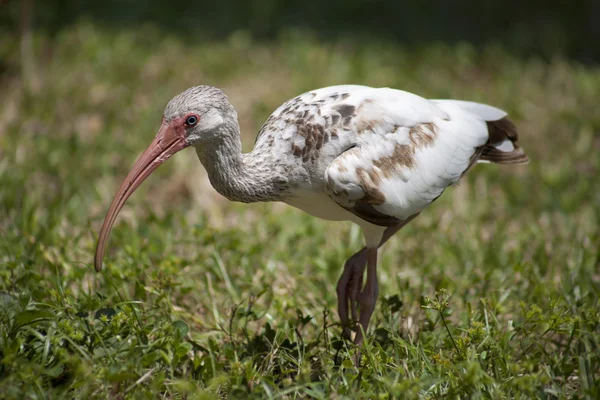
[{"x": 248, "y": 177}]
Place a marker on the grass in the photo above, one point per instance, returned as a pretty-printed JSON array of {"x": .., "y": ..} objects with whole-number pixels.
[{"x": 491, "y": 293}]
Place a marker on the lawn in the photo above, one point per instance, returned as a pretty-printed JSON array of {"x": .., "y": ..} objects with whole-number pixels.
[{"x": 493, "y": 292}]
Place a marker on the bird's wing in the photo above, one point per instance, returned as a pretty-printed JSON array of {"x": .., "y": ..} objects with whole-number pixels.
[
  {"x": 407, "y": 150},
  {"x": 317, "y": 126},
  {"x": 384, "y": 154}
]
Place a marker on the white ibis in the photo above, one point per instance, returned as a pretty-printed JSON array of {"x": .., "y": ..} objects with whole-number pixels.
[{"x": 376, "y": 157}]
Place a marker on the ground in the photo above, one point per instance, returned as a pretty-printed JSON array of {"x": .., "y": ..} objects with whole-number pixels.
[{"x": 491, "y": 293}]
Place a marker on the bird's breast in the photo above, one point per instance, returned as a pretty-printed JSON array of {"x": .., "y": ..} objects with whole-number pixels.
[{"x": 319, "y": 205}]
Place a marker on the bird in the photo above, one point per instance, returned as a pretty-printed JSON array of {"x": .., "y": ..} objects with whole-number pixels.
[{"x": 374, "y": 156}]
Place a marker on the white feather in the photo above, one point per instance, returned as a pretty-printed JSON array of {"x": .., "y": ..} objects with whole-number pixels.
[
  {"x": 382, "y": 120},
  {"x": 461, "y": 128},
  {"x": 506, "y": 146},
  {"x": 487, "y": 113}
]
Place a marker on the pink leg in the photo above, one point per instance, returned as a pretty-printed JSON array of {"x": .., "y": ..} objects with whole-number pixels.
[
  {"x": 368, "y": 297},
  {"x": 350, "y": 283},
  {"x": 351, "y": 278}
]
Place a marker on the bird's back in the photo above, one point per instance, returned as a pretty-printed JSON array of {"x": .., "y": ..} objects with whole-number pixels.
[
  {"x": 383, "y": 154},
  {"x": 312, "y": 129}
]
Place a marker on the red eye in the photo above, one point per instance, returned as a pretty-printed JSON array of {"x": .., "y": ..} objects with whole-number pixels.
[{"x": 192, "y": 120}]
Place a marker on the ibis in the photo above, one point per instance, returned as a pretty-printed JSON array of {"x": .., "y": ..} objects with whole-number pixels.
[{"x": 374, "y": 156}]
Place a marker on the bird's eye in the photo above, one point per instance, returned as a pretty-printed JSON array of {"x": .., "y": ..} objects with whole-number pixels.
[{"x": 191, "y": 120}]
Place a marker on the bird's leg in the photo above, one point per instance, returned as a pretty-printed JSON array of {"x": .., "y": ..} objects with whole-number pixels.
[
  {"x": 356, "y": 284},
  {"x": 356, "y": 278},
  {"x": 368, "y": 297},
  {"x": 350, "y": 283},
  {"x": 351, "y": 278}
]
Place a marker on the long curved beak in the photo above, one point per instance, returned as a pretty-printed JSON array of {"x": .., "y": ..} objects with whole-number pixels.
[{"x": 168, "y": 141}]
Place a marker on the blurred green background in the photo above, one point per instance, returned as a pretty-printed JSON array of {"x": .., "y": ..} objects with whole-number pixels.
[
  {"x": 202, "y": 298},
  {"x": 524, "y": 27}
]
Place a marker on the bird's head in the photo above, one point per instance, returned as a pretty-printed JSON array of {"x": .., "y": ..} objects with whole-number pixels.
[
  {"x": 192, "y": 118},
  {"x": 198, "y": 114}
]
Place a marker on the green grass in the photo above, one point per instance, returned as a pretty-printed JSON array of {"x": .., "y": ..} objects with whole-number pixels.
[{"x": 491, "y": 293}]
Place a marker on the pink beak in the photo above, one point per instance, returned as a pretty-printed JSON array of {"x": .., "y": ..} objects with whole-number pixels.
[{"x": 169, "y": 140}]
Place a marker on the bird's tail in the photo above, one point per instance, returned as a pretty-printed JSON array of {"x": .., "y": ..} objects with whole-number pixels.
[{"x": 503, "y": 146}]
